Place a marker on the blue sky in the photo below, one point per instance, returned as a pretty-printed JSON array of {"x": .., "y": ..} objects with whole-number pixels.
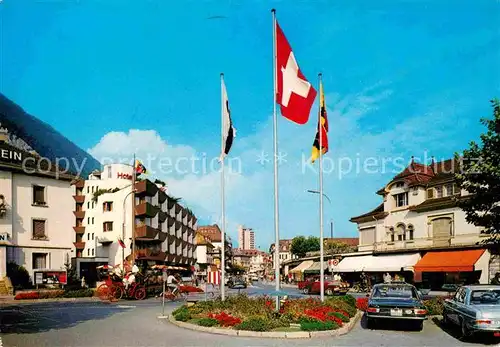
[{"x": 401, "y": 78}]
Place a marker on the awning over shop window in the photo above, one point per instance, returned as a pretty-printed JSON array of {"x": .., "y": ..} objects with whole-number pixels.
[
  {"x": 301, "y": 267},
  {"x": 316, "y": 267},
  {"x": 449, "y": 261},
  {"x": 381, "y": 263}
]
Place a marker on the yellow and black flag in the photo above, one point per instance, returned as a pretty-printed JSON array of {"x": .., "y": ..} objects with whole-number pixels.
[{"x": 323, "y": 128}]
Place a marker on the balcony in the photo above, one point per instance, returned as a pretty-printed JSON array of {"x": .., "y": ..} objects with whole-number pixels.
[
  {"x": 79, "y": 183},
  {"x": 145, "y": 232},
  {"x": 145, "y": 188},
  {"x": 427, "y": 243},
  {"x": 162, "y": 196},
  {"x": 79, "y": 230},
  {"x": 79, "y": 245},
  {"x": 79, "y": 214},
  {"x": 162, "y": 216},
  {"x": 79, "y": 199},
  {"x": 178, "y": 225},
  {"x": 145, "y": 209}
]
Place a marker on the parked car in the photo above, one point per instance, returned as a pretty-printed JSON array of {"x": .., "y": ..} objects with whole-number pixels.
[
  {"x": 475, "y": 309},
  {"x": 400, "y": 301},
  {"x": 302, "y": 284},
  {"x": 331, "y": 286},
  {"x": 237, "y": 283}
]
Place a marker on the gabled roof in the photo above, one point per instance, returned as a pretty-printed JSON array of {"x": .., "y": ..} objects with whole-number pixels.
[
  {"x": 377, "y": 213},
  {"x": 211, "y": 231}
]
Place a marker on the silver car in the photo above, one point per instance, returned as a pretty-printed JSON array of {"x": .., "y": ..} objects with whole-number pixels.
[{"x": 474, "y": 308}]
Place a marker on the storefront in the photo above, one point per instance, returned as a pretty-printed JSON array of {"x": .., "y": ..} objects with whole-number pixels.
[
  {"x": 445, "y": 268},
  {"x": 297, "y": 273},
  {"x": 398, "y": 265}
]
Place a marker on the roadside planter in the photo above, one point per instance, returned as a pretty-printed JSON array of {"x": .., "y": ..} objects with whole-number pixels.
[{"x": 244, "y": 316}]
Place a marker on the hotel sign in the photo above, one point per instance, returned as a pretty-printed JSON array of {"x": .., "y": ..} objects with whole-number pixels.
[
  {"x": 11, "y": 155},
  {"x": 125, "y": 176}
]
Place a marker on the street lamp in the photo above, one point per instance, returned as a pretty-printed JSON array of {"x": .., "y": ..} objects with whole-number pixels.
[
  {"x": 327, "y": 198},
  {"x": 123, "y": 229}
]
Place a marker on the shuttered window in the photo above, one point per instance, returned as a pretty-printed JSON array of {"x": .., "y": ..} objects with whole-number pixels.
[
  {"x": 39, "y": 260},
  {"x": 107, "y": 226},
  {"x": 39, "y": 229},
  {"x": 38, "y": 195}
]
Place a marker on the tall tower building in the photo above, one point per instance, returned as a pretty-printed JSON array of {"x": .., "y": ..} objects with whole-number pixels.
[{"x": 246, "y": 238}]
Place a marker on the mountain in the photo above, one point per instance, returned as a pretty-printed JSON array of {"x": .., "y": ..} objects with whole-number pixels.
[{"x": 43, "y": 138}]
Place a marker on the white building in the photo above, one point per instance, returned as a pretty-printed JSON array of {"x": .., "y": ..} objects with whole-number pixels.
[
  {"x": 284, "y": 251},
  {"x": 246, "y": 238},
  {"x": 35, "y": 212},
  {"x": 419, "y": 214},
  {"x": 164, "y": 230}
]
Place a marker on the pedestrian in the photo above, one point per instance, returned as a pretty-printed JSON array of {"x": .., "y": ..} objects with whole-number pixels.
[{"x": 387, "y": 278}]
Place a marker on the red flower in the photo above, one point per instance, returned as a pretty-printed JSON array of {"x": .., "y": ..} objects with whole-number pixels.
[{"x": 362, "y": 304}]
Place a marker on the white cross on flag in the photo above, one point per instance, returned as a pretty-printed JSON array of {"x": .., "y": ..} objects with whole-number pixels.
[{"x": 295, "y": 94}]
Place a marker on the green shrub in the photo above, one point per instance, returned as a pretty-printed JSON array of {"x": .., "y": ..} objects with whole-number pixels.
[
  {"x": 341, "y": 305},
  {"x": 50, "y": 294},
  {"x": 183, "y": 316},
  {"x": 254, "y": 324},
  {"x": 340, "y": 316},
  {"x": 317, "y": 325},
  {"x": 19, "y": 276},
  {"x": 183, "y": 308},
  {"x": 206, "y": 322},
  {"x": 80, "y": 293},
  {"x": 351, "y": 300},
  {"x": 434, "y": 306}
]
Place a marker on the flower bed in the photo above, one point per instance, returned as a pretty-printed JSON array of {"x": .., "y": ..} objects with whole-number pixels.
[
  {"x": 257, "y": 314},
  {"x": 362, "y": 304},
  {"x": 52, "y": 294}
]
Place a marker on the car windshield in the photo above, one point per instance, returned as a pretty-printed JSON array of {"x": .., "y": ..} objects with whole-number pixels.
[
  {"x": 485, "y": 297},
  {"x": 394, "y": 292}
]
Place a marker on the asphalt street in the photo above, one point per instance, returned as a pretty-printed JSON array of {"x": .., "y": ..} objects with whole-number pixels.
[{"x": 136, "y": 323}]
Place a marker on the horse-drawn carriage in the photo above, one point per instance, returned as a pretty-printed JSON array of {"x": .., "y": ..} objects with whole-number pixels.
[{"x": 135, "y": 285}]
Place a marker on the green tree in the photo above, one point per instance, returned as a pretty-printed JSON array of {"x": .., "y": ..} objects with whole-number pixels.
[
  {"x": 480, "y": 176},
  {"x": 335, "y": 247},
  {"x": 301, "y": 245}
]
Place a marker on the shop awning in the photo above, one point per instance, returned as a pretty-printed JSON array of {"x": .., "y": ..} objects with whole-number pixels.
[
  {"x": 381, "y": 263},
  {"x": 316, "y": 267},
  {"x": 449, "y": 261},
  {"x": 301, "y": 267}
]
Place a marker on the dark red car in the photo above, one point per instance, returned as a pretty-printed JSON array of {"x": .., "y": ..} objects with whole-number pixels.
[{"x": 331, "y": 286}]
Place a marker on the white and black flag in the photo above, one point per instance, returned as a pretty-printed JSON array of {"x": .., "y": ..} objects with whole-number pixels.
[{"x": 228, "y": 131}]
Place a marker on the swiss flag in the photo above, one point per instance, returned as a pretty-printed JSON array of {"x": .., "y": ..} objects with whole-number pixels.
[{"x": 295, "y": 94}]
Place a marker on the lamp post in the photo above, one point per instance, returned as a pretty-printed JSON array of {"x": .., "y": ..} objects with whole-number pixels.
[
  {"x": 123, "y": 226},
  {"x": 321, "y": 257}
]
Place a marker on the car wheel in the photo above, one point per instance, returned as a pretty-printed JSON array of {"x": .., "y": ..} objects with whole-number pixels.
[
  {"x": 329, "y": 291},
  {"x": 465, "y": 332},
  {"x": 446, "y": 320},
  {"x": 419, "y": 326},
  {"x": 305, "y": 291},
  {"x": 370, "y": 324}
]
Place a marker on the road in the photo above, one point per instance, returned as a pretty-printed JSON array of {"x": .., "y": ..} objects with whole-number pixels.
[{"x": 135, "y": 323}]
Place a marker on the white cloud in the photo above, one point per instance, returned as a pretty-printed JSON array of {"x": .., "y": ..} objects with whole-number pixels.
[{"x": 249, "y": 192}]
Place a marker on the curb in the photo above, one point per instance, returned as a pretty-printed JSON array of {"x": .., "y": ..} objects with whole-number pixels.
[
  {"x": 271, "y": 334},
  {"x": 41, "y": 301}
]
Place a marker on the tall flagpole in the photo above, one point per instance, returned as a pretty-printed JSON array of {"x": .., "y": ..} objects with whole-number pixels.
[
  {"x": 321, "y": 246},
  {"x": 275, "y": 141},
  {"x": 222, "y": 183},
  {"x": 133, "y": 211}
]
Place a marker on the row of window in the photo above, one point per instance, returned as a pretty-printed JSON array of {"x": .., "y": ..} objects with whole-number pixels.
[
  {"x": 402, "y": 233},
  {"x": 401, "y": 199},
  {"x": 443, "y": 191},
  {"x": 91, "y": 189}
]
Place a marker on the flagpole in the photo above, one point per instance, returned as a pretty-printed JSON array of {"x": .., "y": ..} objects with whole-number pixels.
[
  {"x": 222, "y": 183},
  {"x": 321, "y": 246},
  {"x": 133, "y": 212},
  {"x": 275, "y": 145}
]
